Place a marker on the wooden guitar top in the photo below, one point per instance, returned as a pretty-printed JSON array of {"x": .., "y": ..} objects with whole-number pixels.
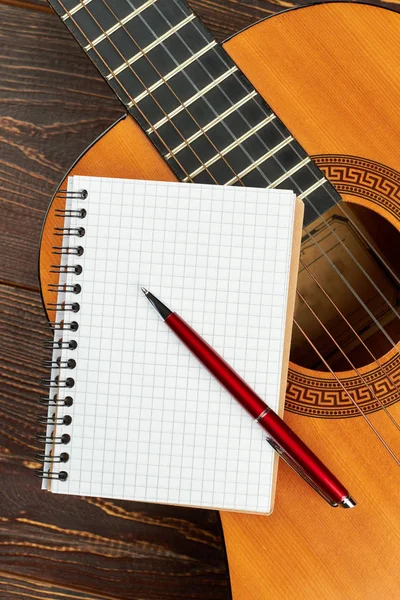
[{"x": 331, "y": 73}]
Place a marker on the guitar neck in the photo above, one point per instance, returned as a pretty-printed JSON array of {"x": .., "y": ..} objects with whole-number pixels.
[{"x": 198, "y": 109}]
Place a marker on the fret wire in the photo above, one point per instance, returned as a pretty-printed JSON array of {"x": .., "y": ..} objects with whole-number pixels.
[
  {"x": 140, "y": 97},
  {"x": 289, "y": 173},
  {"x": 262, "y": 159},
  {"x": 106, "y": 34},
  {"x": 220, "y": 117},
  {"x": 312, "y": 189},
  {"x": 142, "y": 113},
  {"x": 234, "y": 144},
  {"x": 149, "y": 47},
  {"x": 218, "y": 56},
  {"x": 317, "y": 212},
  {"x": 95, "y": 20},
  {"x": 74, "y": 9},
  {"x": 149, "y": 90},
  {"x": 178, "y": 99},
  {"x": 201, "y": 31},
  {"x": 164, "y": 80},
  {"x": 346, "y": 391},
  {"x": 233, "y": 137},
  {"x": 238, "y": 79},
  {"x": 206, "y": 39},
  {"x": 181, "y": 166},
  {"x": 240, "y": 82},
  {"x": 101, "y": 58}
]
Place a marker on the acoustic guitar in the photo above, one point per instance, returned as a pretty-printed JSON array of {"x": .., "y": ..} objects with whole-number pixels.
[{"x": 308, "y": 99}]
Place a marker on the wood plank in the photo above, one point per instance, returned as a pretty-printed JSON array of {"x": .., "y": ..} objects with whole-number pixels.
[
  {"x": 52, "y": 545},
  {"x": 43, "y": 66},
  {"x": 53, "y": 105},
  {"x": 39, "y": 5},
  {"x": 227, "y": 17}
]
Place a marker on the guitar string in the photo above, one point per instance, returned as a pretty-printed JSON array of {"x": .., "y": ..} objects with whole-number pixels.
[
  {"x": 346, "y": 391},
  {"x": 162, "y": 78},
  {"x": 353, "y": 223},
  {"x": 363, "y": 271},
  {"x": 148, "y": 60},
  {"x": 185, "y": 108},
  {"x": 142, "y": 54},
  {"x": 188, "y": 145},
  {"x": 127, "y": 93},
  {"x": 371, "y": 391},
  {"x": 308, "y": 167},
  {"x": 132, "y": 41},
  {"x": 341, "y": 206},
  {"x": 376, "y": 360},
  {"x": 325, "y": 362},
  {"x": 353, "y": 291},
  {"x": 160, "y": 107},
  {"x": 147, "y": 89},
  {"x": 300, "y": 295}
]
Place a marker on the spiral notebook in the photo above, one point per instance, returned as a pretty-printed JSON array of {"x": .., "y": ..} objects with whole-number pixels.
[{"x": 131, "y": 414}]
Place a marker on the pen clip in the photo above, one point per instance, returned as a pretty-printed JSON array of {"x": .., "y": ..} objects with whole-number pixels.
[{"x": 299, "y": 470}]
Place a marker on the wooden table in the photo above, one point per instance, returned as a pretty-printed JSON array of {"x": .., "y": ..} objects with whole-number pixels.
[{"x": 53, "y": 104}]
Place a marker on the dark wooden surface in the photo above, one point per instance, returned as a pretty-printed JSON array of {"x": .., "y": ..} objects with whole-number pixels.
[{"x": 52, "y": 106}]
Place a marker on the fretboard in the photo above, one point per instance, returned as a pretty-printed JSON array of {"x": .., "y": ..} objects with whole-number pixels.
[{"x": 198, "y": 109}]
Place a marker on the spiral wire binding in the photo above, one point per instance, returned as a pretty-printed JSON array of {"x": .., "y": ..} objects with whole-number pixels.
[
  {"x": 51, "y": 457},
  {"x": 75, "y": 289},
  {"x": 77, "y": 269},
  {"x": 77, "y": 250},
  {"x": 78, "y": 231}
]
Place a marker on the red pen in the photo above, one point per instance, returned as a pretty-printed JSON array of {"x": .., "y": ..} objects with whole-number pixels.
[{"x": 286, "y": 443}]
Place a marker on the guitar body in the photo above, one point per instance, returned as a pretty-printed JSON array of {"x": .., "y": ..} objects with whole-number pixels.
[{"x": 332, "y": 76}]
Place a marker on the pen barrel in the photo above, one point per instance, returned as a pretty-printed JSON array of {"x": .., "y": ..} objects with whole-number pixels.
[
  {"x": 293, "y": 450},
  {"x": 282, "y": 438},
  {"x": 217, "y": 366}
]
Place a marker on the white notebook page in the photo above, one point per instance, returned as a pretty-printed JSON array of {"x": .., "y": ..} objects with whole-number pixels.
[{"x": 148, "y": 421}]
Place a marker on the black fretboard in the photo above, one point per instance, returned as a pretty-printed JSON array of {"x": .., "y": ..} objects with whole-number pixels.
[{"x": 198, "y": 109}]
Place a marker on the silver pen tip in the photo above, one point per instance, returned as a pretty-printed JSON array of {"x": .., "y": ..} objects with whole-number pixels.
[
  {"x": 144, "y": 291},
  {"x": 348, "y": 502}
]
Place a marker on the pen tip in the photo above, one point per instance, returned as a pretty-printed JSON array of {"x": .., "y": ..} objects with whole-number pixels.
[{"x": 144, "y": 291}]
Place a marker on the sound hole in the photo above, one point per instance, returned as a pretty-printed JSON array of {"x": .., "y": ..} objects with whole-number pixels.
[{"x": 370, "y": 329}]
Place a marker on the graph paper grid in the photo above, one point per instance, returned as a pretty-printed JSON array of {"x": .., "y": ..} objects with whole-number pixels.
[{"x": 149, "y": 423}]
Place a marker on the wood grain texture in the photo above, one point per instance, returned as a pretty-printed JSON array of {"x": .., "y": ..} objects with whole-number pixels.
[
  {"x": 53, "y": 104},
  {"x": 55, "y": 546},
  {"x": 298, "y": 558},
  {"x": 224, "y": 17},
  {"x": 314, "y": 82}
]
